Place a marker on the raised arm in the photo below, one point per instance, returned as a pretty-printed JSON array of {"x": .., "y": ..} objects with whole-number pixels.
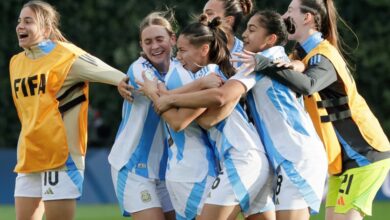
[
  {"x": 315, "y": 78},
  {"x": 89, "y": 68}
]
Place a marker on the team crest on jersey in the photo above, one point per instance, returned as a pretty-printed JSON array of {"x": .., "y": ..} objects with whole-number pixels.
[
  {"x": 141, "y": 165},
  {"x": 145, "y": 196}
]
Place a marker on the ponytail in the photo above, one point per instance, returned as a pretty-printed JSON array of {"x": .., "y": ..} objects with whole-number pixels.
[{"x": 213, "y": 34}]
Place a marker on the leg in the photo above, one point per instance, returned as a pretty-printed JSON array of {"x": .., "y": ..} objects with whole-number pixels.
[
  {"x": 268, "y": 215},
  {"x": 152, "y": 213},
  {"x": 352, "y": 214},
  {"x": 28, "y": 208},
  {"x": 218, "y": 212},
  {"x": 302, "y": 214},
  {"x": 60, "y": 209},
  {"x": 170, "y": 215}
]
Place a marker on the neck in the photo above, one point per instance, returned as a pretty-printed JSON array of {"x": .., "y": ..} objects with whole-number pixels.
[
  {"x": 306, "y": 34},
  {"x": 230, "y": 40},
  {"x": 162, "y": 68}
]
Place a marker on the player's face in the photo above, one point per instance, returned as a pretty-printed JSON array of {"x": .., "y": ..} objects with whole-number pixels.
[
  {"x": 255, "y": 37},
  {"x": 157, "y": 45},
  {"x": 295, "y": 20},
  {"x": 214, "y": 8},
  {"x": 192, "y": 58},
  {"x": 28, "y": 30}
]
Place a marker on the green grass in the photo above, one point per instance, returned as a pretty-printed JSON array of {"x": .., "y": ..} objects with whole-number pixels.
[{"x": 111, "y": 212}]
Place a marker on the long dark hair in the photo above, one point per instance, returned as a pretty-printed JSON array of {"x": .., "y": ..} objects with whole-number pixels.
[
  {"x": 274, "y": 24},
  {"x": 211, "y": 33}
]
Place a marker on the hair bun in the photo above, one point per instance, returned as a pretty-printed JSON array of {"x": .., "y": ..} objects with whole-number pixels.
[
  {"x": 215, "y": 23},
  {"x": 203, "y": 19}
]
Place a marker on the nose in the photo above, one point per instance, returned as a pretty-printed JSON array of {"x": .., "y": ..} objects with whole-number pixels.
[
  {"x": 244, "y": 34},
  {"x": 285, "y": 15}
]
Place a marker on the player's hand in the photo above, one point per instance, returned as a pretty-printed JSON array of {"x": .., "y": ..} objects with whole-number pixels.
[
  {"x": 162, "y": 89},
  {"x": 162, "y": 104},
  {"x": 295, "y": 65},
  {"x": 248, "y": 61},
  {"x": 125, "y": 90},
  {"x": 149, "y": 86},
  {"x": 210, "y": 81}
]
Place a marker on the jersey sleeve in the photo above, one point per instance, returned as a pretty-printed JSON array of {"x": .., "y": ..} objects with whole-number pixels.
[
  {"x": 319, "y": 74},
  {"x": 90, "y": 68},
  {"x": 248, "y": 81}
]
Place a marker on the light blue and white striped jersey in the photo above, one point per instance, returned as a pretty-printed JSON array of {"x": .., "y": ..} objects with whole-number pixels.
[
  {"x": 191, "y": 157},
  {"x": 279, "y": 115},
  {"x": 234, "y": 131},
  {"x": 141, "y": 141},
  {"x": 238, "y": 47}
]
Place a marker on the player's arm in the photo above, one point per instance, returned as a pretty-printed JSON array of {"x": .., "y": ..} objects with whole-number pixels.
[
  {"x": 315, "y": 78},
  {"x": 89, "y": 68},
  {"x": 177, "y": 118},
  {"x": 210, "y": 81}
]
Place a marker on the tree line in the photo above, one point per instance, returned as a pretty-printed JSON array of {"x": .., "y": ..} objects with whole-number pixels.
[{"x": 109, "y": 30}]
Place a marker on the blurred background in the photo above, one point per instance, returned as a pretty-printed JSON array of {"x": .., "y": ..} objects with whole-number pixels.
[{"x": 109, "y": 30}]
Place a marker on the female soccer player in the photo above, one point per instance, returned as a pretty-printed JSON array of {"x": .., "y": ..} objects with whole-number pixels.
[
  {"x": 358, "y": 150},
  {"x": 243, "y": 183},
  {"x": 50, "y": 90},
  {"x": 139, "y": 154}
]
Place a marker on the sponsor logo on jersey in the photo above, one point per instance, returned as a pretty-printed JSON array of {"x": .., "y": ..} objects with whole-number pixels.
[{"x": 49, "y": 191}]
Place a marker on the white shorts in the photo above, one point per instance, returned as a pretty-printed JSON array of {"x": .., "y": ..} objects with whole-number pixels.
[
  {"x": 50, "y": 185},
  {"x": 300, "y": 185},
  {"x": 136, "y": 193},
  {"x": 188, "y": 198},
  {"x": 245, "y": 180}
]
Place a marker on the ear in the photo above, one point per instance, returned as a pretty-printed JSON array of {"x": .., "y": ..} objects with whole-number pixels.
[
  {"x": 308, "y": 18},
  {"x": 46, "y": 32},
  {"x": 271, "y": 39},
  {"x": 205, "y": 50},
  {"x": 229, "y": 20},
  {"x": 173, "y": 39}
]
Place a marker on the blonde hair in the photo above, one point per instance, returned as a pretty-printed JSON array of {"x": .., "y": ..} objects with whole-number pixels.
[
  {"x": 47, "y": 17},
  {"x": 165, "y": 19}
]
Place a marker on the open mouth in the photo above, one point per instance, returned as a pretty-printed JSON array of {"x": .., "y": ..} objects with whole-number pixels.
[
  {"x": 158, "y": 53},
  {"x": 290, "y": 25},
  {"x": 22, "y": 36}
]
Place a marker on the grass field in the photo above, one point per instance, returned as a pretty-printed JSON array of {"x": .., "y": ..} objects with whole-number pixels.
[{"x": 111, "y": 212}]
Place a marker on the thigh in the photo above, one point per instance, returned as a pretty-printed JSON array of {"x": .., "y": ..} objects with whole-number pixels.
[
  {"x": 63, "y": 209},
  {"x": 28, "y": 193},
  {"x": 218, "y": 212},
  {"x": 29, "y": 208}
]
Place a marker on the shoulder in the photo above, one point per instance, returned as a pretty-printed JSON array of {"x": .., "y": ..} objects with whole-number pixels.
[{"x": 71, "y": 47}]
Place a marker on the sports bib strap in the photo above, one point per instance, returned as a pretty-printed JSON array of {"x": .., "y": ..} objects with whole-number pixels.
[
  {"x": 73, "y": 102},
  {"x": 332, "y": 102},
  {"x": 336, "y": 116}
]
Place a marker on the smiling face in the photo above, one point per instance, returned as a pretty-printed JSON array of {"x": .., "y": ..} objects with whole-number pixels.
[
  {"x": 191, "y": 57},
  {"x": 28, "y": 30},
  {"x": 157, "y": 45},
  {"x": 255, "y": 37},
  {"x": 295, "y": 20}
]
